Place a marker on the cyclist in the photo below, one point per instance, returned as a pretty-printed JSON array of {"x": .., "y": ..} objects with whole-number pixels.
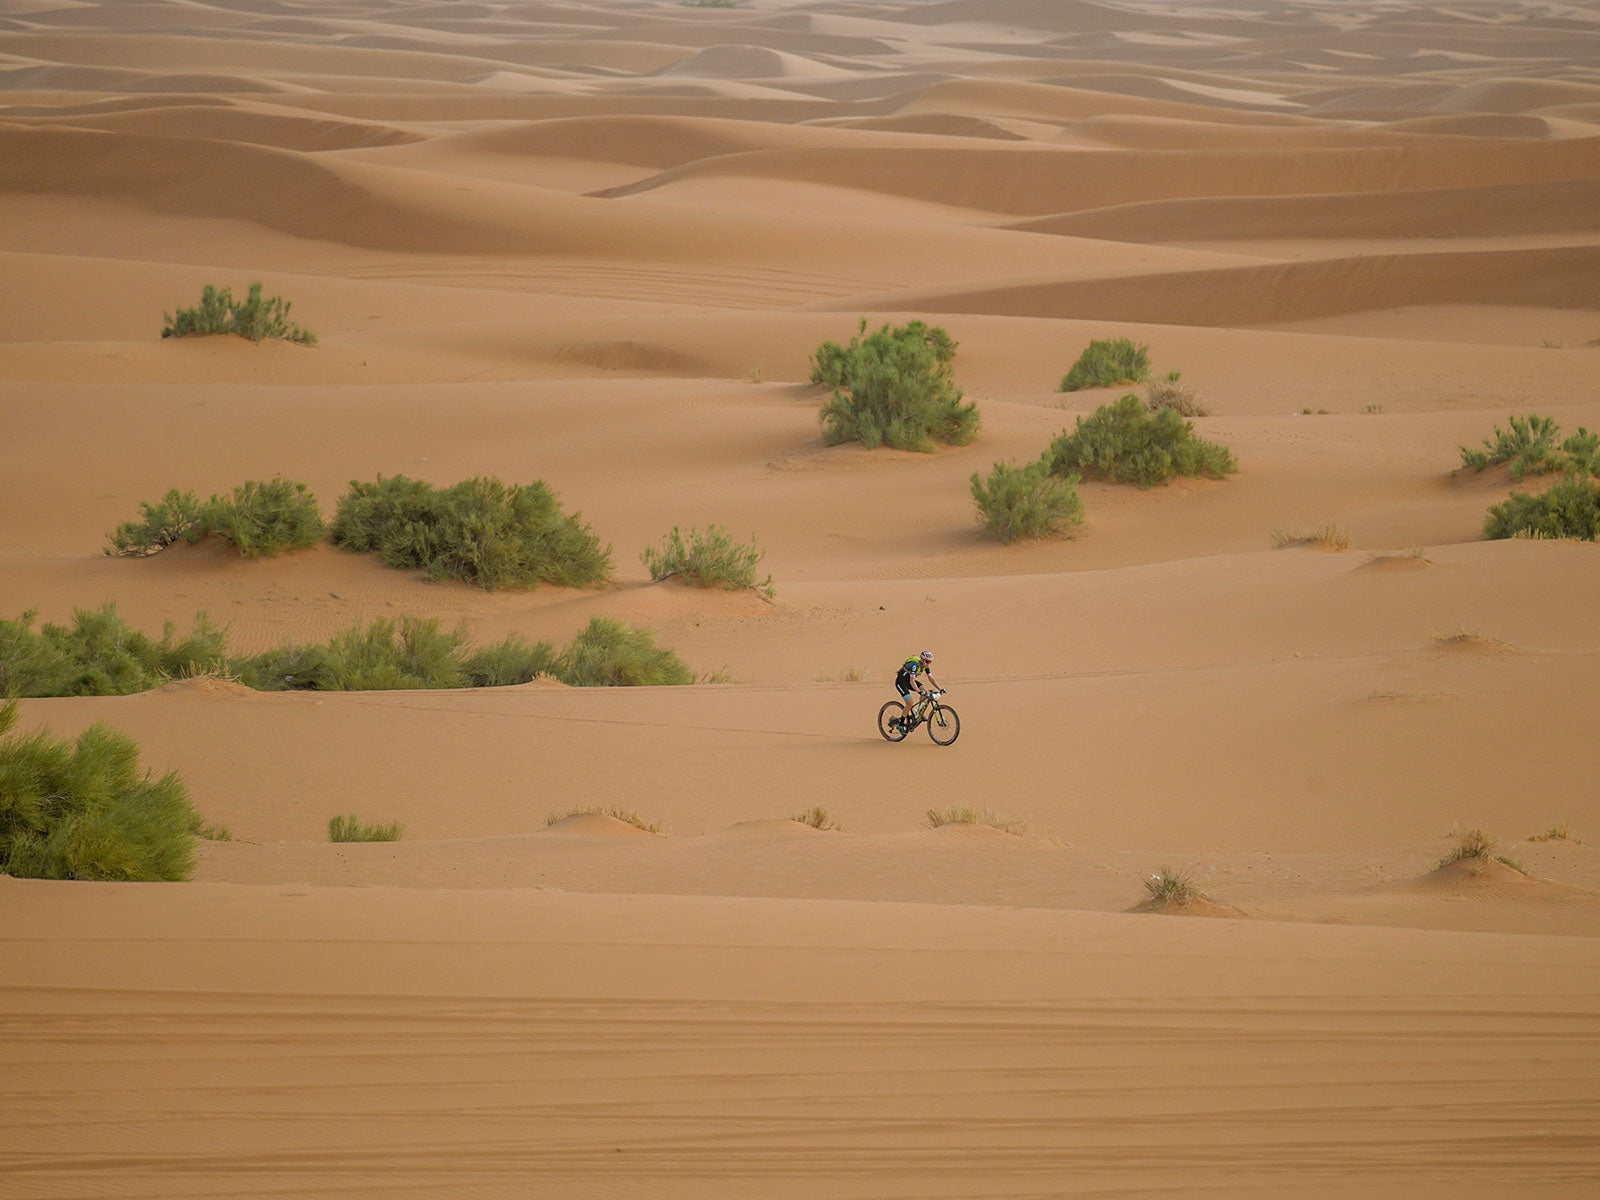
[{"x": 906, "y": 683}]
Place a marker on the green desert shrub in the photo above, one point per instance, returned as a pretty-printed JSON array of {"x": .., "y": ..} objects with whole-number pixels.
[
  {"x": 1113, "y": 362},
  {"x": 611, "y": 654},
  {"x": 1026, "y": 501},
  {"x": 1582, "y": 451},
  {"x": 893, "y": 388},
  {"x": 263, "y": 519},
  {"x": 351, "y": 828},
  {"x": 381, "y": 656},
  {"x": 708, "y": 559},
  {"x": 513, "y": 661},
  {"x": 1527, "y": 443},
  {"x": 481, "y": 531},
  {"x": 100, "y": 654},
  {"x": 178, "y": 516},
  {"x": 1125, "y": 442},
  {"x": 1569, "y": 509},
  {"x": 416, "y": 653},
  {"x": 83, "y": 809},
  {"x": 256, "y": 317}
]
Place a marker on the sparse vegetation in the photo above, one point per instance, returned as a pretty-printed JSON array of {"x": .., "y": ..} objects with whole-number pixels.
[
  {"x": 481, "y": 531},
  {"x": 1173, "y": 888},
  {"x": 1320, "y": 537},
  {"x": 1172, "y": 393},
  {"x": 513, "y": 661},
  {"x": 1476, "y": 845},
  {"x": 1126, "y": 443},
  {"x": 265, "y": 519},
  {"x": 893, "y": 388},
  {"x": 1559, "y": 831},
  {"x": 611, "y": 654},
  {"x": 1027, "y": 501},
  {"x": 966, "y": 814},
  {"x": 100, "y": 654},
  {"x": 1113, "y": 362},
  {"x": 350, "y": 828},
  {"x": 1570, "y": 508},
  {"x": 818, "y": 818},
  {"x": 708, "y": 559},
  {"x": 1530, "y": 445},
  {"x": 256, "y": 317},
  {"x": 617, "y": 813},
  {"x": 84, "y": 809},
  {"x": 261, "y": 519},
  {"x": 176, "y": 517}
]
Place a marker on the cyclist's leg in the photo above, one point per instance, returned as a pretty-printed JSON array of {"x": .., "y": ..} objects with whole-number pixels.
[{"x": 904, "y": 686}]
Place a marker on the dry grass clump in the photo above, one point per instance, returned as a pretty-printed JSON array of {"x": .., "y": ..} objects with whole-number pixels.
[
  {"x": 1181, "y": 398},
  {"x": 1560, "y": 831},
  {"x": 966, "y": 814},
  {"x": 350, "y": 828},
  {"x": 616, "y": 812},
  {"x": 1461, "y": 638},
  {"x": 1475, "y": 844},
  {"x": 1414, "y": 554},
  {"x": 818, "y": 818},
  {"x": 1173, "y": 888},
  {"x": 1319, "y": 537}
]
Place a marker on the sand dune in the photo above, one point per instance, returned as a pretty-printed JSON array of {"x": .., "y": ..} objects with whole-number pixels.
[
  {"x": 1030, "y": 181},
  {"x": 598, "y": 245},
  {"x": 1568, "y": 277},
  {"x": 1506, "y": 210}
]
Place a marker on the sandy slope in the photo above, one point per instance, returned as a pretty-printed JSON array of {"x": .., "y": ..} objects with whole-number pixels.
[{"x": 596, "y": 244}]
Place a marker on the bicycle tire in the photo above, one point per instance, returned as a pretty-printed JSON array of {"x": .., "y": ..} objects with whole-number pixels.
[
  {"x": 941, "y": 721},
  {"x": 889, "y": 712}
]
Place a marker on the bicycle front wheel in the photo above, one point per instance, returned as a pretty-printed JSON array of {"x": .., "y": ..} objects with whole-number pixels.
[
  {"x": 887, "y": 715},
  {"x": 944, "y": 726}
]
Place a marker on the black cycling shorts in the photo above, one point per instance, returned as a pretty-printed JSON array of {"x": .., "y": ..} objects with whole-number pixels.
[{"x": 903, "y": 684}]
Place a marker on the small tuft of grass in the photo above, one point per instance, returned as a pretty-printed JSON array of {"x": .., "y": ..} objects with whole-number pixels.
[
  {"x": 1320, "y": 537},
  {"x": 350, "y": 828},
  {"x": 212, "y": 833},
  {"x": 818, "y": 818},
  {"x": 1173, "y": 887},
  {"x": 1560, "y": 831},
  {"x": 966, "y": 814},
  {"x": 626, "y": 815},
  {"x": 1372, "y": 410},
  {"x": 1460, "y": 637},
  {"x": 1476, "y": 845}
]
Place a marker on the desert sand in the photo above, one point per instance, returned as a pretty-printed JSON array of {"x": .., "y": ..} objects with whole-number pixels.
[{"x": 595, "y": 243}]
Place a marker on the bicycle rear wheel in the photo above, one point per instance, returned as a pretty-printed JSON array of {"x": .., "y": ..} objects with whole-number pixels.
[
  {"x": 888, "y": 714},
  {"x": 944, "y": 726}
]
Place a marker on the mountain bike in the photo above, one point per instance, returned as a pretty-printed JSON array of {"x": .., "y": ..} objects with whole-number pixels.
[{"x": 944, "y": 726}]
